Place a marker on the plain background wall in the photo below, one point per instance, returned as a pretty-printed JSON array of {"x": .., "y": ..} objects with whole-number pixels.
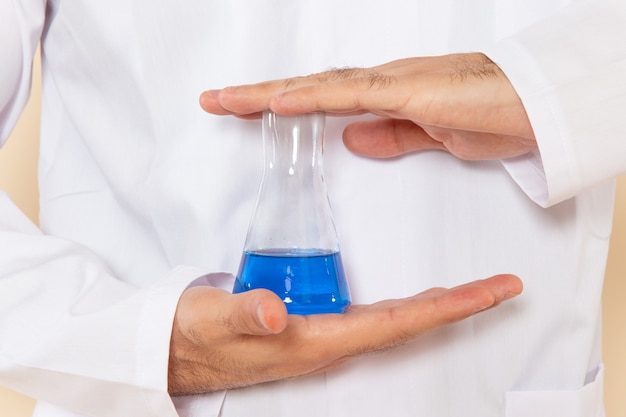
[{"x": 18, "y": 177}]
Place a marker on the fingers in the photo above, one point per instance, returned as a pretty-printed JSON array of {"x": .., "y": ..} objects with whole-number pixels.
[
  {"x": 332, "y": 91},
  {"x": 257, "y": 312},
  {"x": 385, "y": 138},
  {"x": 217, "y": 315},
  {"x": 468, "y": 299},
  {"x": 434, "y": 309},
  {"x": 386, "y": 324},
  {"x": 461, "y": 302},
  {"x": 377, "y": 93},
  {"x": 238, "y": 340},
  {"x": 210, "y": 102},
  {"x": 249, "y": 100},
  {"x": 462, "y": 93}
]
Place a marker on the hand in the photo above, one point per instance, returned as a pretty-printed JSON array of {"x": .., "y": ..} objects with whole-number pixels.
[
  {"x": 220, "y": 340},
  {"x": 462, "y": 103}
]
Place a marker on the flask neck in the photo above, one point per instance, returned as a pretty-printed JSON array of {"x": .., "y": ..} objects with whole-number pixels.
[
  {"x": 293, "y": 144},
  {"x": 292, "y": 210}
]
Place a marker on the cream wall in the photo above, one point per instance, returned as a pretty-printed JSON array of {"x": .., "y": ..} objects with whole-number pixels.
[{"x": 18, "y": 178}]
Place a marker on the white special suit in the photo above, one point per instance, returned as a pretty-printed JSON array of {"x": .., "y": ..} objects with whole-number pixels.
[{"x": 142, "y": 192}]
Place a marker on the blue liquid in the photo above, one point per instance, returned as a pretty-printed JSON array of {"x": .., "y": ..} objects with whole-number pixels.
[{"x": 308, "y": 281}]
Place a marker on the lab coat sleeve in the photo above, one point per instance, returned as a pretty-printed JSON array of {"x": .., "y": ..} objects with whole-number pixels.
[
  {"x": 569, "y": 70},
  {"x": 71, "y": 333},
  {"x": 19, "y": 35}
]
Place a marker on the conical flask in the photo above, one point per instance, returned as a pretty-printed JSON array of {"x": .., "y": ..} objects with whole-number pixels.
[{"x": 292, "y": 247}]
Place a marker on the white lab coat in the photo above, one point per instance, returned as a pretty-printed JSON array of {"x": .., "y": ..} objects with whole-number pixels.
[{"x": 142, "y": 193}]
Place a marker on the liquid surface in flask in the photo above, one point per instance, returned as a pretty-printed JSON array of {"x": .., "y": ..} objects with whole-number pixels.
[{"x": 308, "y": 281}]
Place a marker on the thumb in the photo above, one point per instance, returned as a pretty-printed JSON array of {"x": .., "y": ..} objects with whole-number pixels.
[
  {"x": 257, "y": 312},
  {"x": 386, "y": 138}
]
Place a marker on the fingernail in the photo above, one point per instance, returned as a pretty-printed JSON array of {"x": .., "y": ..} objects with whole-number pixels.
[
  {"x": 230, "y": 90},
  {"x": 481, "y": 308},
  {"x": 209, "y": 95},
  {"x": 508, "y": 295},
  {"x": 261, "y": 317}
]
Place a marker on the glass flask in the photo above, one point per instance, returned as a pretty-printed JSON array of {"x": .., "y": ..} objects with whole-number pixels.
[{"x": 292, "y": 247}]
